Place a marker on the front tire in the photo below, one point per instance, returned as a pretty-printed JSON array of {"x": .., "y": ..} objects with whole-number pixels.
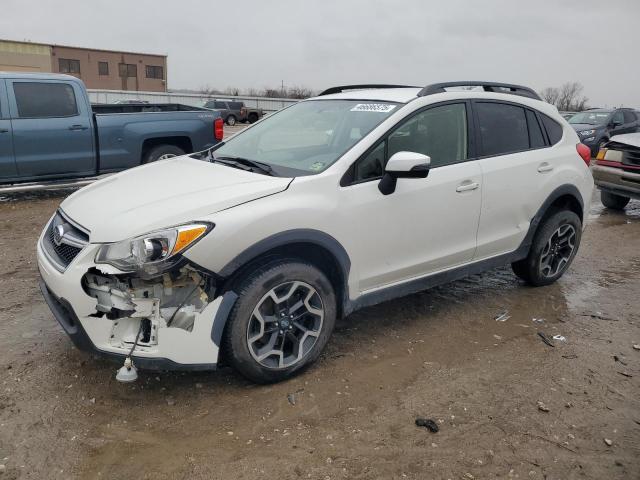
[
  {"x": 281, "y": 322},
  {"x": 231, "y": 120},
  {"x": 554, "y": 247},
  {"x": 253, "y": 117},
  {"x": 613, "y": 201}
]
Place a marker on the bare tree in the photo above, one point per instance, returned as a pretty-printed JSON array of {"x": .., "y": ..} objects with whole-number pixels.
[
  {"x": 271, "y": 93},
  {"x": 233, "y": 91},
  {"x": 208, "y": 91},
  {"x": 550, "y": 95},
  {"x": 567, "y": 98},
  {"x": 298, "y": 92}
]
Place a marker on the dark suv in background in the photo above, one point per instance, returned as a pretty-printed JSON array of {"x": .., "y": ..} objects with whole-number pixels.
[
  {"x": 597, "y": 125},
  {"x": 233, "y": 112}
]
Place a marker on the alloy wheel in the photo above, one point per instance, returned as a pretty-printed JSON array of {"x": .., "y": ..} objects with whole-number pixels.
[
  {"x": 558, "y": 251},
  {"x": 285, "y": 325}
]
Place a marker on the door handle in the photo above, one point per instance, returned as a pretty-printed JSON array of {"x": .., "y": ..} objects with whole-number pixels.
[
  {"x": 467, "y": 186},
  {"x": 545, "y": 167},
  {"x": 78, "y": 127},
  {"x": 4, "y": 130}
]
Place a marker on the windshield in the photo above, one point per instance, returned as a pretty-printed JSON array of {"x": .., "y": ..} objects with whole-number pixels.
[
  {"x": 592, "y": 118},
  {"x": 307, "y": 137}
]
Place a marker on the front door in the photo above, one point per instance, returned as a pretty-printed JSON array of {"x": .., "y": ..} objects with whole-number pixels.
[
  {"x": 52, "y": 133},
  {"x": 427, "y": 224}
]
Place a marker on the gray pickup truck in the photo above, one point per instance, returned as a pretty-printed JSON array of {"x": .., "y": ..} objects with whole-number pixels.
[
  {"x": 49, "y": 130},
  {"x": 234, "y": 111}
]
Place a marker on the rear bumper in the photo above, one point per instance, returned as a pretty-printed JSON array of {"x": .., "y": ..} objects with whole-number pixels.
[{"x": 617, "y": 181}]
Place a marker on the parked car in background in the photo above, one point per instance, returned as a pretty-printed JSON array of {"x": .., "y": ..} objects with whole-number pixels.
[
  {"x": 233, "y": 112},
  {"x": 597, "y": 125},
  {"x": 567, "y": 115},
  {"x": 617, "y": 170},
  {"x": 49, "y": 130},
  {"x": 358, "y": 196}
]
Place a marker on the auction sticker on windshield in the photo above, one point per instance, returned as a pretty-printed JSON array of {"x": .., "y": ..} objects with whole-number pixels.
[{"x": 373, "y": 107}]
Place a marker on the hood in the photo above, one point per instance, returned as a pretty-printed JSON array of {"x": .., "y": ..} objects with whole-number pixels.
[
  {"x": 163, "y": 194},
  {"x": 632, "y": 139},
  {"x": 578, "y": 127}
]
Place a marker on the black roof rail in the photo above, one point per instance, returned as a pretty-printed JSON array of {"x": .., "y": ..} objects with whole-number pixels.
[
  {"x": 486, "y": 86},
  {"x": 342, "y": 88}
]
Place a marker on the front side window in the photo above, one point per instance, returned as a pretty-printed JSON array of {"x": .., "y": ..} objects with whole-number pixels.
[
  {"x": 439, "y": 132},
  {"x": 503, "y": 128},
  {"x": 629, "y": 116},
  {"x": 618, "y": 118},
  {"x": 309, "y": 136},
  {"x": 67, "y": 65},
  {"x": 222, "y": 105},
  {"x": 45, "y": 100}
]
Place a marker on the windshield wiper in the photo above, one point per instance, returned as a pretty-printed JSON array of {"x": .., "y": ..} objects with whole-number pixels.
[{"x": 252, "y": 164}]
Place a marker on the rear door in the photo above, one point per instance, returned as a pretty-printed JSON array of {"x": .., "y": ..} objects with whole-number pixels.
[
  {"x": 516, "y": 168},
  {"x": 630, "y": 121},
  {"x": 7, "y": 161},
  {"x": 52, "y": 133}
]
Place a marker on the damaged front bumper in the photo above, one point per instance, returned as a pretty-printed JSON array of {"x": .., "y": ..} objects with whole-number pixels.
[{"x": 177, "y": 317}]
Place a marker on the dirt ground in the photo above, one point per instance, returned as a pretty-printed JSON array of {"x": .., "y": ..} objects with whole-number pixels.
[{"x": 439, "y": 354}]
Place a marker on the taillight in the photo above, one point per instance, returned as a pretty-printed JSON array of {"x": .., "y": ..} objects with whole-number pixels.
[
  {"x": 218, "y": 128},
  {"x": 584, "y": 152}
]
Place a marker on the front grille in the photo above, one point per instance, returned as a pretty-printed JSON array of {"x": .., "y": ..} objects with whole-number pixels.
[{"x": 63, "y": 241}]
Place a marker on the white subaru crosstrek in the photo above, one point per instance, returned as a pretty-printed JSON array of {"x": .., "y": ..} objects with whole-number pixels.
[{"x": 248, "y": 253}]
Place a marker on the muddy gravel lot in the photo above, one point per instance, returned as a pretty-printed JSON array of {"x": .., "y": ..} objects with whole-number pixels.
[{"x": 507, "y": 405}]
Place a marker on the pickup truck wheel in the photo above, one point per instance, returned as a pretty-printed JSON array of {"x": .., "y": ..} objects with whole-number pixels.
[
  {"x": 281, "y": 322},
  {"x": 253, "y": 117},
  {"x": 613, "y": 201},
  {"x": 231, "y": 120},
  {"x": 554, "y": 247},
  {"x": 161, "y": 152}
]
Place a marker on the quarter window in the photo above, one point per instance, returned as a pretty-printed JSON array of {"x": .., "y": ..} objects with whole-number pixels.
[
  {"x": 103, "y": 68},
  {"x": 45, "y": 100},
  {"x": 553, "y": 128},
  {"x": 503, "y": 128},
  {"x": 67, "y": 65}
]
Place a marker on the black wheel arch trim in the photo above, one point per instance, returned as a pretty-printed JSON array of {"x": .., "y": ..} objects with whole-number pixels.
[
  {"x": 301, "y": 235},
  {"x": 566, "y": 189}
]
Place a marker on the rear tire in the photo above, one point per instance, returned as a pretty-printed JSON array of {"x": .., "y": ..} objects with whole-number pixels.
[
  {"x": 253, "y": 118},
  {"x": 161, "y": 152},
  {"x": 286, "y": 306},
  {"x": 231, "y": 120},
  {"x": 554, "y": 247},
  {"x": 613, "y": 201}
]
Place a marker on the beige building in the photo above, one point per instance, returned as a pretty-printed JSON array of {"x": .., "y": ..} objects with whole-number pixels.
[{"x": 98, "y": 69}]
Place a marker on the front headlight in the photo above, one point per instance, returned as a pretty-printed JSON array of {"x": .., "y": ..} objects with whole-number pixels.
[
  {"x": 154, "y": 252},
  {"x": 586, "y": 133}
]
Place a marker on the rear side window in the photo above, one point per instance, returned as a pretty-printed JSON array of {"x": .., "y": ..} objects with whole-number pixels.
[
  {"x": 222, "y": 105},
  {"x": 45, "y": 100},
  {"x": 236, "y": 105},
  {"x": 553, "y": 128},
  {"x": 503, "y": 128},
  {"x": 536, "y": 138}
]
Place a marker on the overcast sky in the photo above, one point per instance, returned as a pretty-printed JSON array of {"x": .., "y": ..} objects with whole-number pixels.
[{"x": 319, "y": 43}]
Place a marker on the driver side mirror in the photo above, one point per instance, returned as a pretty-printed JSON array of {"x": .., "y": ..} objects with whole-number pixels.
[{"x": 403, "y": 165}]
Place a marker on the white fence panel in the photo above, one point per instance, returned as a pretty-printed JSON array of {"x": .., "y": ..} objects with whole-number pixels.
[{"x": 111, "y": 96}]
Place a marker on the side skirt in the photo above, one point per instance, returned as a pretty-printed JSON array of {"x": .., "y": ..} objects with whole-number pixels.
[{"x": 424, "y": 283}]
